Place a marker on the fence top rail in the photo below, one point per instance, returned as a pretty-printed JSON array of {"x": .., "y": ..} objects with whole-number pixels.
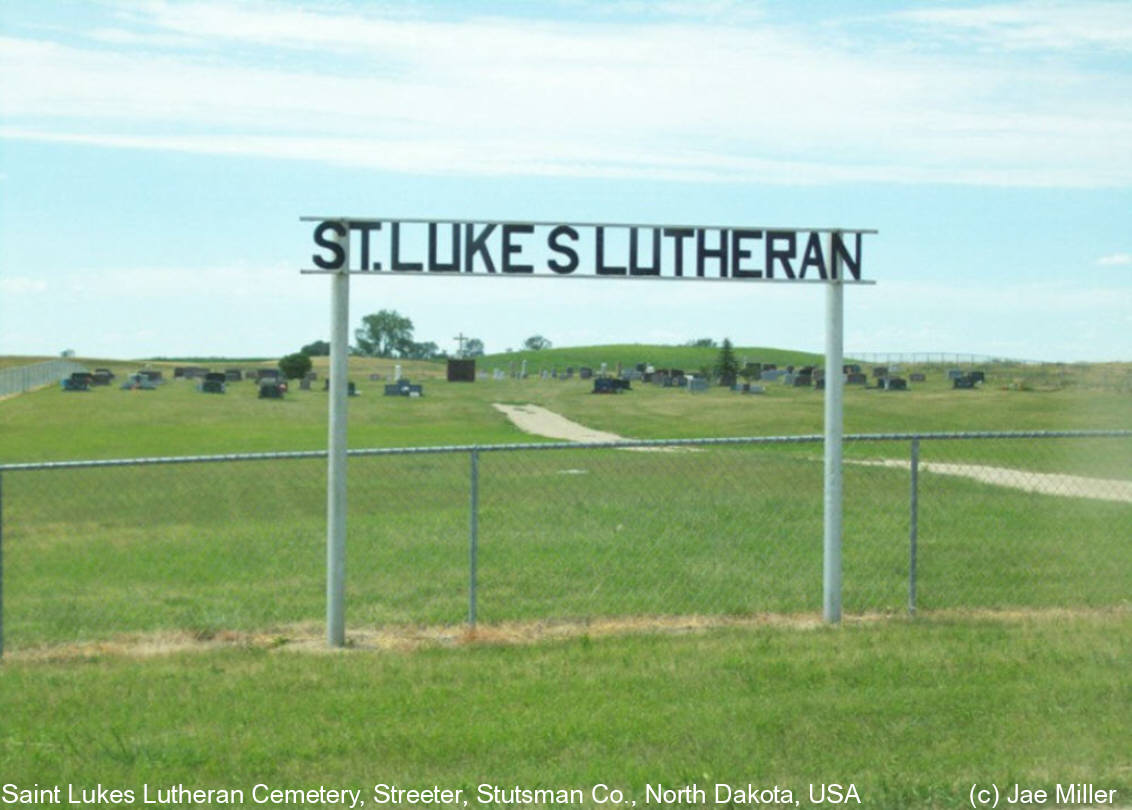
[{"x": 628, "y": 443}]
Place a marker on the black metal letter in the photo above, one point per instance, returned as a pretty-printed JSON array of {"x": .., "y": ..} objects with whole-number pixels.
[
  {"x": 636, "y": 269},
  {"x": 703, "y": 253},
  {"x": 396, "y": 262},
  {"x": 738, "y": 253},
  {"x": 602, "y": 268},
  {"x": 364, "y": 227},
  {"x": 435, "y": 266},
  {"x": 338, "y": 255},
  {"x": 773, "y": 253},
  {"x": 678, "y": 235},
  {"x": 509, "y": 248},
  {"x": 477, "y": 244},
  {"x": 552, "y": 242}
]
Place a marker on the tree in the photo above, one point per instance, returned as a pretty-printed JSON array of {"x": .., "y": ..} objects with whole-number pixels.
[
  {"x": 320, "y": 348},
  {"x": 384, "y": 334},
  {"x": 421, "y": 351},
  {"x": 726, "y": 366},
  {"x": 473, "y": 347},
  {"x": 701, "y": 343},
  {"x": 295, "y": 366},
  {"x": 536, "y": 343}
]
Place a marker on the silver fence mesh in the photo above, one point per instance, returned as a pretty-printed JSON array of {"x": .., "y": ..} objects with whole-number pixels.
[
  {"x": 440, "y": 536},
  {"x": 17, "y": 379}
]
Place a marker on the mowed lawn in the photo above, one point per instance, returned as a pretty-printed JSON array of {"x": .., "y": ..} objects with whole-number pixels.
[
  {"x": 910, "y": 712},
  {"x": 1015, "y": 669}
]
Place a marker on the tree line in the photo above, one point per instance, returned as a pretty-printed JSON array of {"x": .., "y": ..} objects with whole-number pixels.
[{"x": 388, "y": 333}]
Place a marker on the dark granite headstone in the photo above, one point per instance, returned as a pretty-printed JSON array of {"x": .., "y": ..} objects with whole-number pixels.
[
  {"x": 461, "y": 370},
  {"x": 271, "y": 390},
  {"x": 585, "y": 373},
  {"x": 233, "y": 374},
  {"x": 856, "y": 378}
]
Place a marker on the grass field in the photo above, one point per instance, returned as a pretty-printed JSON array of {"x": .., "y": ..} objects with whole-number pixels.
[{"x": 1014, "y": 672}]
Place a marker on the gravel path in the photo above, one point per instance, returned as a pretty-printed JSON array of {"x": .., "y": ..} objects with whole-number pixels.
[
  {"x": 542, "y": 422},
  {"x": 1069, "y": 486}
]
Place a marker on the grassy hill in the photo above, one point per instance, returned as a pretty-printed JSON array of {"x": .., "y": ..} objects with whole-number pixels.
[{"x": 628, "y": 355}]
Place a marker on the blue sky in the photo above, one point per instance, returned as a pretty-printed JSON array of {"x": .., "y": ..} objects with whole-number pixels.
[{"x": 155, "y": 158}]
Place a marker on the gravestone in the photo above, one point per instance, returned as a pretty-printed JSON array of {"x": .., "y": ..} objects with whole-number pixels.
[
  {"x": 79, "y": 381},
  {"x": 895, "y": 384},
  {"x": 819, "y": 384},
  {"x": 269, "y": 389},
  {"x": 304, "y": 384},
  {"x": 461, "y": 370},
  {"x": 138, "y": 382},
  {"x": 499, "y": 374},
  {"x": 803, "y": 380},
  {"x": 697, "y": 385},
  {"x": 100, "y": 378},
  {"x": 851, "y": 368},
  {"x": 605, "y": 385},
  {"x": 879, "y": 372},
  {"x": 954, "y": 373},
  {"x": 585, "y": 373},
  {"x": 397, "y": 372},
  {"x": 916, "y": 377},
  {"x": 213, "y": 383},
  {"x": 233, "y": 374},
  {"x": 963, "y": 381},
  {"x": 271, "y": 374},
  {"x": 978, "y": 376},
  {"x": 856, "y": 378}
]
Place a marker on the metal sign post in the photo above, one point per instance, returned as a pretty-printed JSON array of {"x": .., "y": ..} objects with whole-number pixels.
[
  {"x": 834, "y": 422},
  {"x": 423, "y": 248},
  {"x": 336, "y": 451}
]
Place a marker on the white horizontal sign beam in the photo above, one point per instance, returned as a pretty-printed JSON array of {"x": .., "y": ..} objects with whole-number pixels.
[{"x": 447, "y": 248}]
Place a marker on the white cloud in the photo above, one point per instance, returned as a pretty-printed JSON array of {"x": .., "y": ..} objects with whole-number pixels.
[
  {"x": 1044, "y": 26},
  {"x": 1115, "y": 259},
  {"x": 21, "y": 285},
  {"x": 661, "y": 98}
]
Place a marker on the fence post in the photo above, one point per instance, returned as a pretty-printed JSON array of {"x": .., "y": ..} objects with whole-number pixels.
[
  {"x": 913, "y": 524},
  {"x": 473, "y": 536}
]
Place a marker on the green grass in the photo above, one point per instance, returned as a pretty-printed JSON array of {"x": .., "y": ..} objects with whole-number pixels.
[
  {"x": 50, "y": 424},
  {"x": 562, "y": 534},
  {"x": 1034, "y": 692},
  {"x": 910, "y": 712}
]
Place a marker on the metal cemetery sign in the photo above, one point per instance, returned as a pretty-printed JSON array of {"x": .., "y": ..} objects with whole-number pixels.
[
  {"x": 347, "y": 246},
  {"x": 584, "y": 250}
]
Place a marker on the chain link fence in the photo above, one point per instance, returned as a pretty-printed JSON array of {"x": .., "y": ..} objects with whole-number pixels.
[
  {"x": 563, "y": 532},
  {"x": 17, "y": 379}
]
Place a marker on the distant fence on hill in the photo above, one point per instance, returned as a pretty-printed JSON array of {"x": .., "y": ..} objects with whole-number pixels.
[
  {"x": 563, "y": 532},
  {"x": 17, "y": 379}
]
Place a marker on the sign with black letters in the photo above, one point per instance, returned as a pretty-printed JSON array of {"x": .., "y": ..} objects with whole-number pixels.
[{"x": 584, "y": 250}]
